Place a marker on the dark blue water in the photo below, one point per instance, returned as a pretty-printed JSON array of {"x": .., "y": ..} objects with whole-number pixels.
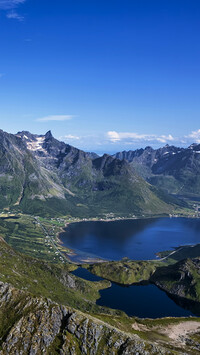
[
  {"x": 139, "y": 301},
  {"x": 136, "y": 239},
  {"x": 86, "y": 275}
]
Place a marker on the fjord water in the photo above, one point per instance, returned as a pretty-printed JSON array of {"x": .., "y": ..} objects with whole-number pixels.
[
  {"x": 138, "y": 239},
  {"x": 140, "y": 301}
]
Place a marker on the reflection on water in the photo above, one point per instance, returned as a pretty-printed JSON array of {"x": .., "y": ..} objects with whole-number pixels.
[
  {"x": 141, "y": 301},
  {"x": 137, "y": 239}
]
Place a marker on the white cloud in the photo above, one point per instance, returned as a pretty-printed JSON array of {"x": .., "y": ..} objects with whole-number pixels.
[
  {"x": 113, "y": 140},
  {"x": 195, "y": 135},
  {"x": 55, "y": 118},
  {"x": 164, "y": 139},
  {"x": 119, "y": 136},
  {"x": 127, "y": 137},
  {"x": 113, "y": 136},
  {"x": 70, "y": 136},
  {"x": 14, "y": 15},
  {"x": 10, "y": 4}
]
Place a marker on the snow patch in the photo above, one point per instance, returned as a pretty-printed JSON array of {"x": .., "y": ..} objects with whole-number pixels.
[{"x": 36, "y": 145}]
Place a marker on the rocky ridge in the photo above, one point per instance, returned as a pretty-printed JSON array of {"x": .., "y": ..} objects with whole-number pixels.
[
  {"x": 173, "y": 169},
  {"x": 181, "y": 279},
  {"x": 43, "y": 176},
  {"x": 34, "y": 326}
]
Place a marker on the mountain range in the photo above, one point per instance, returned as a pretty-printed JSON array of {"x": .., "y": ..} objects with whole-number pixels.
[
  {"x": 44, "y": 308},
  {"x": 172, "y": 169},
  {"x": 41, "y": 175}
]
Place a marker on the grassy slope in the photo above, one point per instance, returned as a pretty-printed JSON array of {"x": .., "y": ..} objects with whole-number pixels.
[
  {"x": 24, "y": 234},
  {"x": 47, "y": 280},
  {"x": 180, "y": 279},
  {"x": 123, "y": 194},
  {"x": 43, "y": 278},
  {"x": 29, "y": 322},
  {"x": 184, "y": 252},
  {"x": 123, "y": 272}
]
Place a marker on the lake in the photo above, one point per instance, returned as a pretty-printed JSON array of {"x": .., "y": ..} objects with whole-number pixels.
[
  {"x": 138, "y": 239},
  {"x": 140, "y": 301}
]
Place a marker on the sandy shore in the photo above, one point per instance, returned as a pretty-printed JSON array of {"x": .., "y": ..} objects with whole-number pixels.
[{"x": 179, "y": 332}]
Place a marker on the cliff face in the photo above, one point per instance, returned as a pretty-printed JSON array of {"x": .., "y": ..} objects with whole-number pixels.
[
  {"x": 41, "y": 175},
  {"x": 181, "y": 279},
  {"x": 175, "y": 170},
  {"x": 31, "y": 325}
]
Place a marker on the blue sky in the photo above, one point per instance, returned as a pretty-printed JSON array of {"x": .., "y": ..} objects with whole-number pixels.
[{"x": 102, "y": 75}]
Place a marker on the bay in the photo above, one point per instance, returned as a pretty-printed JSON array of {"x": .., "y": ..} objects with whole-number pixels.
[{"x": 137, "y": 239}]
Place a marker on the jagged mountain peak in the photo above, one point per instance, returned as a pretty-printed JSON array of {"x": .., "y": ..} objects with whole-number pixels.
[
  {"x": 26, "y": 135},
  {"x": 40, "y": 144},
  {"x": 194, "y": 146},
  {"x": 149, "y": 148},
  {"x": 174, "y": 169},
  {"x": 40, "y": 174},
  {"x": 48, "y": 135}
]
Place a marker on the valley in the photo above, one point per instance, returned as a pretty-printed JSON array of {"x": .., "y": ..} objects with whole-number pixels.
[
  {"x": 99, "y": 177},
  {"x": 42, "y": 176},
  {"x": 45, "y": 276},
  {"x": 66, "y": 214}
]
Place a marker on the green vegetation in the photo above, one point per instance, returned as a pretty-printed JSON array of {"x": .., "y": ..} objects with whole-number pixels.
[
  {"x": 72, "y": 183},
  {"x": 34, "y": 236},
  {"x": 184, "y": 252},
  {"x": 37, "y": 236},
  {"x": 125, "y": 272},
  {"x": 48, "y": 280},
  {"x": 47, "y": 277},
  {"x": 181, "y": 279}
]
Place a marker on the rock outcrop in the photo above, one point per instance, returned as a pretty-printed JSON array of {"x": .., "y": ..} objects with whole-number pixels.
[
  {"x": 43, "y": 176},
  {"x": 32, "y": 325},
  {"x": 173, "y": 169}
]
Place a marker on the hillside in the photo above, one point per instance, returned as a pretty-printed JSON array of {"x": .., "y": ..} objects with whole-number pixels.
[
  {"x": 43, "y": 176},
  {"x": 35, "y": 325},
  {"x": 45, "y": 309},
  {"x": 175, "y": 170},
  {"x": 181, "y": 279}
]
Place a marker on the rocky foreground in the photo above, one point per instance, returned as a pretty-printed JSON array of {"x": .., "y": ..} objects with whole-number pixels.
[
  {"x": 44, "y": 309},
  {"x": 31, "y": 325}
]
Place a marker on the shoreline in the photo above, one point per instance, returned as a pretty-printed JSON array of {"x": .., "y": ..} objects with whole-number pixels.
[{"x": 71, "y": 252}]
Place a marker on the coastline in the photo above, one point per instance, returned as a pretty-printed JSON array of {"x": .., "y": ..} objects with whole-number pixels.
[{"x": 71, "y": 253}]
